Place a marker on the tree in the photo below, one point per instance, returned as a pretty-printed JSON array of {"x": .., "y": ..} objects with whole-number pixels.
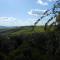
[
  {"x": 58, "y": 21},
  {"x": 55, "y": 12}
]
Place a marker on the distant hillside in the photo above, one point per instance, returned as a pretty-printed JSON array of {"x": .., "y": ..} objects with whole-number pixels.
[
  {"x": 1, "y": 27},
  {"x": 22, "y": 29}
]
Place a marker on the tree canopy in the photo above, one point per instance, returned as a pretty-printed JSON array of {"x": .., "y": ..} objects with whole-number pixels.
[{"x": 55, "y": 12}]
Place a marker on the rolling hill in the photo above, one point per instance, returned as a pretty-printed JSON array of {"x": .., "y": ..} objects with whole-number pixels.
[{"x": 20, "y": 30}]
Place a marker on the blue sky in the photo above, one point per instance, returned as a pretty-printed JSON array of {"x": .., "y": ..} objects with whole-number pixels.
[{"x": 22, "y": 12}]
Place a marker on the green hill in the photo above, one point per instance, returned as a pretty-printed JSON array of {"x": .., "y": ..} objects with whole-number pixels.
[
  {"x": 21, "y": 30},
  {"x": 23, "y": 43}
]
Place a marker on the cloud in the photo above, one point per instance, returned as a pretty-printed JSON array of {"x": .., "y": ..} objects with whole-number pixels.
[
  {"x": 7, "y": 18},
  {"x": 42, "y": 2},
  {"x": 11, "y": 21},
  {"x": 45, "y": 2},
  {"x": 36, "y": 12},
  {"x": 7, "y": 21},
  {"x": 32, "y": 13}
]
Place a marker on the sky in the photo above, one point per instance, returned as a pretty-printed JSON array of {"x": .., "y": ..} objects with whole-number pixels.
[{"x": 23, "y": 12}]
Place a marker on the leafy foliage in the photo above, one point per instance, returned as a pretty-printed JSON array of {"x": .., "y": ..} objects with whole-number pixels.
[
  {"x": 55, "y": 14},
  {"x": 34, "y": 46}
]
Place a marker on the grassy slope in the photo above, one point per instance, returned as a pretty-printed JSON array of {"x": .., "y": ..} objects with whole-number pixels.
[
  {"x": 21, "y": 30},
  {"x": 27, "y": 30},
  {"x": 24, "y": 45}
]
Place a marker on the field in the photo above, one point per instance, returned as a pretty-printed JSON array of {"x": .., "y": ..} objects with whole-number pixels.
[{"x": 23, "y": 43}]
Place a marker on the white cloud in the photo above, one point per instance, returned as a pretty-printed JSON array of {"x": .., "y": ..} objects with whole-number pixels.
[
  {"x": 32, "y": 13},
  {"x": 42, "y": 2},
  {"x": 7, "y": 18},
  {"x": 36, "y": 12},
  {"x": 45, "y": 2},
  {"x": 11, "y": 21},
  {"x": 7, "y": 21}
]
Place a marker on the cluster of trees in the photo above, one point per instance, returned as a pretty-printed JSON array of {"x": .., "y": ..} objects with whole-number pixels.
[
  {"x": 55, "y": 12},
  {"x": 37, "y": 46}
]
